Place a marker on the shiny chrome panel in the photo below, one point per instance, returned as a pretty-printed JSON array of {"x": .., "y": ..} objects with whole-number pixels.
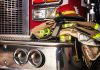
[
  {"x": 8, "y": 62},
  {"x": 51, "y": 55},
  {"x": 37, "y": 43}
]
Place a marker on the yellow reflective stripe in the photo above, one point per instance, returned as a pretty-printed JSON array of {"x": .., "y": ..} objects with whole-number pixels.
[
  {"x": 97, "y": 36},
  {"x": 62, "y": 38},
  {"x": 67, "y": 25},
  {"x": 96, "y": 26},
  {"x": 69, "y": 37},
  {"x": 47, "y": 31},
  {"x": 44, "y": 32},
  {"x": 65, "y": 38},
  {"x": 67, "y": 12}
]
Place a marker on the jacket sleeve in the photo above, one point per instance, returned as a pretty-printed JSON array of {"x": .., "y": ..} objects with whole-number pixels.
[{"x": 84, "y": 39}]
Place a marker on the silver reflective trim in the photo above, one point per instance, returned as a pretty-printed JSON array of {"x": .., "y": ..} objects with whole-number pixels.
[
  {"x": 36, "y": 43},
  {"x": 9, "y": 37}
]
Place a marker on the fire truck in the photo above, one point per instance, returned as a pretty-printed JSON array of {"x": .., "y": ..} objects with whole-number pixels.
[{"x": 19, "y": 51}]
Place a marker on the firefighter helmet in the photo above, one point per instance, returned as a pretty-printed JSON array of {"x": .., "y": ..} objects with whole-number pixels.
[{"x": 68, "y": 10}]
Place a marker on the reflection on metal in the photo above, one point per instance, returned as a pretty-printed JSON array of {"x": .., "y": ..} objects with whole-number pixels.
[
  {"x": 5, "y": 62},
  {"x": 49, "y": 53},
  {"x": 39, "y": 55},
  {"x": 20, "y": 56},
  {"x": 38, "y": 43},
  {"x": 43, "y": 13},
  {"x": 47, "y": 3},
  {"x": 36, "y": 58}
]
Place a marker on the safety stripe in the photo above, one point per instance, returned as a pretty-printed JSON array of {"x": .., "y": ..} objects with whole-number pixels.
[
  {"x": 67, "y": 25},
  {"x": 67, "y": 12},
  {"x": 64, "y": 38},
  {"x": 97, "y": 26},
  {"x": 47, "y": 31},
  {"x": 97, "y": 36},
  {"x": 70, "y": 37},
  {"x": 44, "y": 32}
]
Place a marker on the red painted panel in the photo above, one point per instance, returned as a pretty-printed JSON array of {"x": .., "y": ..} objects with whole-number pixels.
[
  {"x": 67, "y": 7},
  {"x": 82, "y": 11},
  {"x": 75, "y": 2},
  {"x": 38, "y": 1},
  {"x": 32, "y": 22}
]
